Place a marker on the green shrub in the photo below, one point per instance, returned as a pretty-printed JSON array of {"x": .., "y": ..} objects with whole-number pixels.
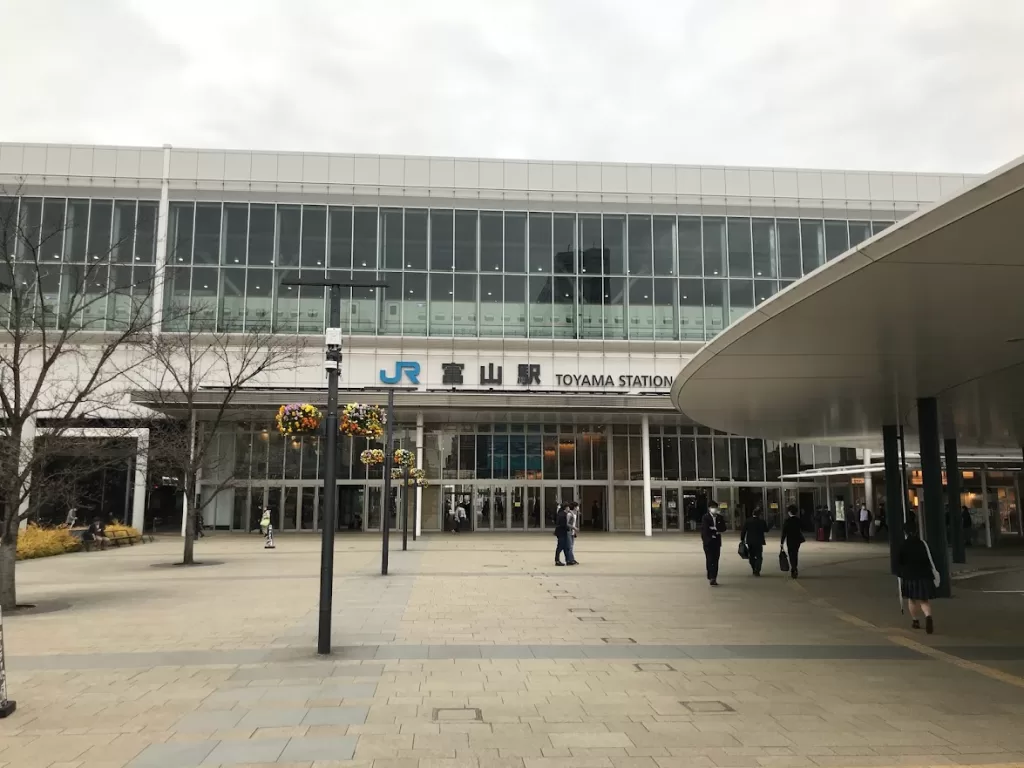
[{"x": 43, "y": 542}]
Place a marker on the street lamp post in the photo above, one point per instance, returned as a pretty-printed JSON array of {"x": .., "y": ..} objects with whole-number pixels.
[{"x": 332, "y": 365}]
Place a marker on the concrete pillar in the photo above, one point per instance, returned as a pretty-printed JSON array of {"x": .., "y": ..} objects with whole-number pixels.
[
  {"x": 610, "y": 504},
  {"x": 869, "y": 483},
  {"x": 984, "y": 507},
  {"x": 141, "y": 471},
  {"x": 161, "y": 242},
  {"x": 956, "y": 527},
  {"x": 894, "y": 497},
  {"x": 645, "y": 452},
  {"x": 26, "y": 451},
  {"x": 419, "y": 463},
  {"x": 931, "y": 478}
]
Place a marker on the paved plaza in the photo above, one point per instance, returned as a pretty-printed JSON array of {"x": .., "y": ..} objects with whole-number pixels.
[{"x": 477, "y": 651}]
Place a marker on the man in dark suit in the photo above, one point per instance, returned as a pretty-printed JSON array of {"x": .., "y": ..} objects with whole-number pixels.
[{"x": 711, "y": 526}]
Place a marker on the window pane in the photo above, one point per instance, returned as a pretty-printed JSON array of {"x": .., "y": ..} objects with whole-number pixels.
[
  {"x": 123, "y": 227},
  {"x": 563, "y": 309},
  {"x": 514, "y": 312},
  {"x": 490, "y": 304},
  {"x": 465, "y": 241},
  {"x": 441, "y": 292},
  {"x": 837, "y": 239},
  {"x": 721, "y": 448},
  {"x": 415, "y": 239},
  {"x": 232, "y": 300},
  {"x": 591, "y": 307},
  {"x": 764, "y": 248},
  {"x": 364, "y": 304},
  {"x": 52, "y": 236},
  {"x": 99, "y": 227},
  {"x": 640, "y": 245},
  {"x": 879, "y": 226},
  {"x": 236, "y": 229},
  {"x": 812, "y": 244},
  {"x": 859, "y": 232},
  {"x": 390, "y": 321},
  {"x": 540, "y": 303},
  {"x": 314, "y": 238},
  {"x": 691, "y": 309},
  {"x": 614, "y": 310},
  {"x": 590, "y": 253},
  {"x": 465, "y": 305},
  {"x": 714, "y": 247},
  {"x": 739, "y": 247},
  {"x": 789, "y": 248},
  {"x": 259, "y": 289},
  {"x": 741, "y": 298},
  {"x": 663, "y": 261},
  {"x": 286, "y": 308},
  {"x": 364, "y": 238},
  {"x": 670, "y": 453},
  {"x": 715, "y": 309},
  {"x": 641, "y": 311},
  {"x": 414, "y": 304},
  {"x": 738, "y": 449},
  {"x": 207, "y": 246},
  {"x": 515, "y": 242},
  {"x": 687, "y": 456},
  {"x": 540, "y": 243},
  {"x": 341, "y": 238},
  {"x": 203, "y": 308},
  {"x": 490, "y": 241},
  {"x": 261, "y": 234},
  {"x": 690, "y": 259},
  {"x": 614, "y": 244},
  {"x": 764, "y": 290},
  {"x": 564, "y": 237},
  {"x": 78, "y": 226},
  {"x": 442, "y": 241},
  {"x": 772, "y": 461},
  {"x": 312, "y": 307},
  {"x": 289, "y": 227},
  {"x": 145, "y": 232},
  {"x": 755, "y": 459},
  {"x": 666, "y": 325}
]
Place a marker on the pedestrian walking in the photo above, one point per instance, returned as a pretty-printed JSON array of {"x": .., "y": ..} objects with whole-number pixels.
[
  {"x": 267, "y": 529},
  {"x": 792, "y": 538},
  {"x": 460, "y": 516},
  {"x": 865, "y": 522},
  {"x": 573, "y": 521},
  {"x": 919, "y": 578},
  {"x": 754, "y": 530},
  {"x": 968, "y": 525},
  {"x": 712, "y": 525},
  {"x": 562, "y": 537}
]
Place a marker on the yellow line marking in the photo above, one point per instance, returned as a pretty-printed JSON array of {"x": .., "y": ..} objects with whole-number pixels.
[{"x": 956, "y": 661}]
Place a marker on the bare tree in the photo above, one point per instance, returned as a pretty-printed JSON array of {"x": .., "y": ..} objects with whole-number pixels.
[
  {"x": 183, "y": 367},
  {"x": 73, "y": 315}
]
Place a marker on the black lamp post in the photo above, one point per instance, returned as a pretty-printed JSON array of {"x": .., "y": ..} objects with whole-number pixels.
[{"x": 332, "y": 364}]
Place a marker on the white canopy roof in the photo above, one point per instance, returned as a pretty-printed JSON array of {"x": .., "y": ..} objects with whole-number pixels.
[{"x": 933, "y": 306}]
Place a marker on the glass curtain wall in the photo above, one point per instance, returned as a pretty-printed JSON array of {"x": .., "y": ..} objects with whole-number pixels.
[{"x": 504, "y": 274}]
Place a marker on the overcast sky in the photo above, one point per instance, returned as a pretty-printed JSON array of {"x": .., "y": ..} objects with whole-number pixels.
[{"x": 924, "y": 85}]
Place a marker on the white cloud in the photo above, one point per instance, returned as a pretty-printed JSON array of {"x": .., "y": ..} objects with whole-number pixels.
[{"x": 913, "y": 85}]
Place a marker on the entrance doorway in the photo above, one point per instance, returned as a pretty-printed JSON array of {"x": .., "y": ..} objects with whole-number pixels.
[{"x": 593, "y": 507}]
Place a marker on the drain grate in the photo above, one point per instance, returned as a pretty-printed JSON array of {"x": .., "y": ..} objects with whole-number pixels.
[
  {"x": 581, "y": 610},
  {"x": 458, "y": 714},
  {"x": 590, "y": 618},
  {"x": 654, "y": 666},
  {"x": 707, "y": 707},
  {"x": 618, "y": 640}
]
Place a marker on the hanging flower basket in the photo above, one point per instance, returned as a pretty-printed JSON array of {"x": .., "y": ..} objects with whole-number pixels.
[
  {"x": 360, "y": 420},
  {"x": 298, "y": 419},
  {"x": 416, "y": 476},
  {"x": 404, "y": 458},
  {"x": 372, "y": 456}
]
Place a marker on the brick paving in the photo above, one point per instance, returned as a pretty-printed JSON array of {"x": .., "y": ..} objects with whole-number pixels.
[{"x": 477, "y": 651}]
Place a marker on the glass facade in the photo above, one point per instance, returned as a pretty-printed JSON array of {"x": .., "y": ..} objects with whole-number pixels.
[
  {"x": 485, "y": 273},
  {"x": 513, "y": 475}
]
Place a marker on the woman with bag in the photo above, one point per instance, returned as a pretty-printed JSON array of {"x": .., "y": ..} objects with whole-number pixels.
[
  {"x": 792, "y": 538},
  {"x": 919, "y": 578}
]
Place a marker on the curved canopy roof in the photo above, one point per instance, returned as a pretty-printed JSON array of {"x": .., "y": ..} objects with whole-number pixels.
[{"x": 933, "y": 306}]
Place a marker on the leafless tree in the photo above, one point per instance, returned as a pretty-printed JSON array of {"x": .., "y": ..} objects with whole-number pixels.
[
  {"x": 73, "y": 317},
  {"x": 196, "y": 376}
]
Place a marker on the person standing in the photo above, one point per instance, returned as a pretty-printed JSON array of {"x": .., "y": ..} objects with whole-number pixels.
[
  {"x": 865, "y": 522},
  {"x": 754, "y": 530},
  {"x": 460, "y": 515},
  {"x": 968, "y": 525},
  {"x": 711, "y": 526},
  {"x": 919, "y": 578},
  {"x": 792, "y": 538},
  {"x": 562, "y": 537},
  {"x": 573, "y": 521},
  {"x": 595, "y": 516}
]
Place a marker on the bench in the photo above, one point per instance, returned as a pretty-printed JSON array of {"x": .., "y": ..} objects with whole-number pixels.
[{"x": 116, "y": 538}]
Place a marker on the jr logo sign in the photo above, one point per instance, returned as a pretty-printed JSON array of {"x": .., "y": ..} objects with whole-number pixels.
[{"x": 410, "y": 369}]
